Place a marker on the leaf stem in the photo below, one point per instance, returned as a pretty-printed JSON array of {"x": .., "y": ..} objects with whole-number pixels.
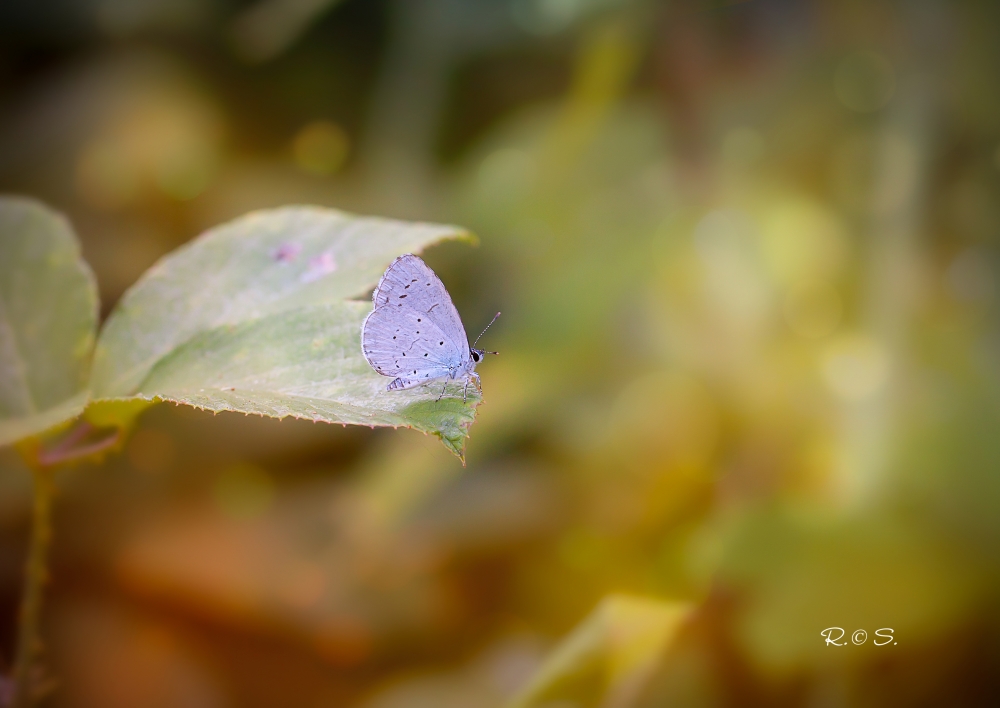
[
  {"x": 29, "y": 640},
  {"x": 27, "y": 686}
]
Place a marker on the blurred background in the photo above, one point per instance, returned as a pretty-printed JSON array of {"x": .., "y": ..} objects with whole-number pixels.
[{"x": 747, "y": 256}]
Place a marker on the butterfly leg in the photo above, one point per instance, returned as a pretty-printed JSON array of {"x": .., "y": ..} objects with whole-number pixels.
[
  {"x": 443, "y": 388},
  {"x": 465, "y": 392}
]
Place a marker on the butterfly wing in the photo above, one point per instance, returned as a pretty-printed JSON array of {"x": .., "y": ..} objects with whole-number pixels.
[
  {"x": 400, "y": 341},
  {"x": 414, "y": 332},
  {"x": 408, "y": 281}
]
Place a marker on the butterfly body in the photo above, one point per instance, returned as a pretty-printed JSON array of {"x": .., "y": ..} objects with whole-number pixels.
[{"x": 415, "y": 334}]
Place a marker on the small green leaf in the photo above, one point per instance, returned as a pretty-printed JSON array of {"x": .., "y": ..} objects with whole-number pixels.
[
  {"x": 255, "y": 317},
  {"x": 48, "y": 320},
  {"x": 608, "y": 655}
]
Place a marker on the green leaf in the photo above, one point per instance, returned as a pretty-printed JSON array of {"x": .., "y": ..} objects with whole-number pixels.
[
  {"x": 48, "y": 320},
  {"x": 255, "y": 316},
  {"x": 608, "y": 656}
]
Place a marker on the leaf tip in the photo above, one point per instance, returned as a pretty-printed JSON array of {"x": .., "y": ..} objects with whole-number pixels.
[{"x": 466, "y": 236}]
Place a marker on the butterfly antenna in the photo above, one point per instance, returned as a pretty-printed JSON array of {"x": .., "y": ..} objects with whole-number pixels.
[{"x": 484, "y": 331}]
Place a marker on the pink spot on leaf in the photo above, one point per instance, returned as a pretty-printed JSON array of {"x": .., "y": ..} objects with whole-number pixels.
[{"x": 319, "y": 266}]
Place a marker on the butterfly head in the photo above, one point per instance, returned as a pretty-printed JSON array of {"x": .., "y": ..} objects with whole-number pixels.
[{"x": 478, "y": 354}]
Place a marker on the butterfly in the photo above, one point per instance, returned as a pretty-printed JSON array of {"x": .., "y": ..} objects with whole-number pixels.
[{"x": 414, "y": 334}]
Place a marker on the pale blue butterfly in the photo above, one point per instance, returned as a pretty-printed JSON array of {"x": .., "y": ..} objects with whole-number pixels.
[{"x": 415, "y": 334}]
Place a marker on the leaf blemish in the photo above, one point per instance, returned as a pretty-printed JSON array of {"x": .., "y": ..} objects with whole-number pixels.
[
  {"x": 319, "y": 266},
  {"x": 286, "y": 252}
]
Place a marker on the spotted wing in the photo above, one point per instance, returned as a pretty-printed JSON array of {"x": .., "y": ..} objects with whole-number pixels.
[
  {"x": 398, "y": 340},
  {"x": 408, "y": 281}
]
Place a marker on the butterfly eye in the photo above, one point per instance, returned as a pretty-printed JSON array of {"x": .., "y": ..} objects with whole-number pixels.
[{"x": 475, "y": 356}]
